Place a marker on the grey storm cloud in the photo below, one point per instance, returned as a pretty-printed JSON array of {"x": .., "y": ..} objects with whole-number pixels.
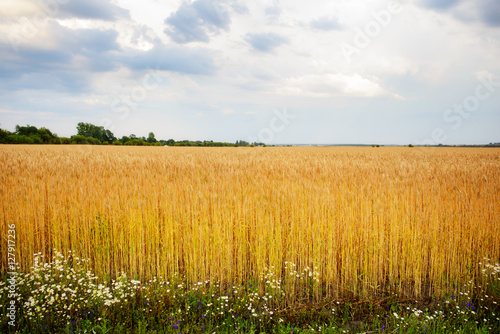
[
  {"x": 485, "y": 11},
  {"x": 193, "y": 21},
  {"x": 93, "y": 9},
  {"x": 490, "y": 12},
  {"x": 33, "y": 68},
  {"x": 266, "y": 42},
  {"x": 68, "y": 44},
  {"x": 175, "y": 59},
  {"x": 58, "y": 68},
  {"x": 325, "y": 23},
  {"x": 439, "y": 4},
  {"x": 79, "y": 53}
]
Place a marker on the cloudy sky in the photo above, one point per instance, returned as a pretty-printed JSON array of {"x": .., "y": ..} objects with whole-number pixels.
[{"x": 278, "y": 71}]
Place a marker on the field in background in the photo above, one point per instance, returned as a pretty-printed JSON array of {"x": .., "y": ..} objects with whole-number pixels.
[{"x": 414, "y": 220}]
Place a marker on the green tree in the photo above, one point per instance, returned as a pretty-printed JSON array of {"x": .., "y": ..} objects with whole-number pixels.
[
  {"x": 20, "y": 139},
  {"x": 79, "y": 139},
  {"x": 97, "y": 132},
  {"x": 242, "y": 143},
  {"x": 47, "y": 136},
  {"x": 4, "y": 134},
  {"x": 27, "y": 130},
  {"x": 93, "y": 141},
  {"x": 151, "y": 138},
  {"x": 124, "y": 139}
]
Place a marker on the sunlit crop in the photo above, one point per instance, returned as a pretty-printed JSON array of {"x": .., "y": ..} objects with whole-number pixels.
[{"x": 362, "y": 220}]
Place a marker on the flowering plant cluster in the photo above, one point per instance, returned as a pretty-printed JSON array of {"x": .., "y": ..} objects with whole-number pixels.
[{"x": 63, "y": 296}]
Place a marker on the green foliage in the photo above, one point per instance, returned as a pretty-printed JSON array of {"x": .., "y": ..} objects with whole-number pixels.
[
  {"x": 136, "y": 142},
  {"x": 93, "y": 141},
  {"x": 28, "y": 135},
  {"x": 241, "y": 143},
  {"x": 79, "y": 139},
  {"x": 97, "y": 132},
  {"x": 65, "y": 140},
  {"x": 96, "y": 135},
  {"x": 27, "y": 130},
  {"x": 20, "y": 139},
  {"x": 47, "y": 136},
  {"x": 151, "y": 138},
  {"x": 124, "y": 139},
  {"x": 4, "y": 134},
  {"x": 170, "y": 142}
]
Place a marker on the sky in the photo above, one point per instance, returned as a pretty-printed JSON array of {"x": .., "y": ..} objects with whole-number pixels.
[{"x": 279, "y": 72}]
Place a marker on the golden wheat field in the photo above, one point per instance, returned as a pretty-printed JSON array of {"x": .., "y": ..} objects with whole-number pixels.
[{"x": 415, "y": 220}]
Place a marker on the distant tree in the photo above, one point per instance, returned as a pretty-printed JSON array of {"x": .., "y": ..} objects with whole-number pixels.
[
  {"x": 241, "y": 143},
  {"x": 94, "y": 131},
  {"x": 47, "y": 136},
  {"x": 37, "y": 139},
  {"x": 20, "y": 139},
  {"x": 135, "y": 142},
  {"x": 79, "y": 139},
  {"x": 27, "y": 130},
  {"x": 151, "y": 138},
  {"x": 93, "y": 141},
  {"x": 85, "y": 129},
  {"x": 109, "y": 136},
  {"x": 4, "y": 134},
  {"x": 124, "y": 139}
]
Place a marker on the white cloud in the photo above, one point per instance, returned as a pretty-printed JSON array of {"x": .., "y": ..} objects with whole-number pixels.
[
  {"x": 228, "y": 111},
  {"x": 327, "y": 85},
  {"x": 81, "y": 59},
  {"x": 12, "y": 10}
]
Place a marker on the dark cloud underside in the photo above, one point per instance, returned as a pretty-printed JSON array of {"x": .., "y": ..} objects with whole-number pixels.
[
  {"x": 192, "y": 22},
  {"x": 266, "y": 42},
  {"x": 490, "y": 12},
  {"x": 93, "y": 9},
  {"x": 440, "y": 4},
  {"x": 325, "y": 23},
  {"x": 175, "y": 59}
]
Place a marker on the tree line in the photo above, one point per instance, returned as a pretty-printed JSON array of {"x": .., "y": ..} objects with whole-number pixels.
[{"x": 90, "y": 134}]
